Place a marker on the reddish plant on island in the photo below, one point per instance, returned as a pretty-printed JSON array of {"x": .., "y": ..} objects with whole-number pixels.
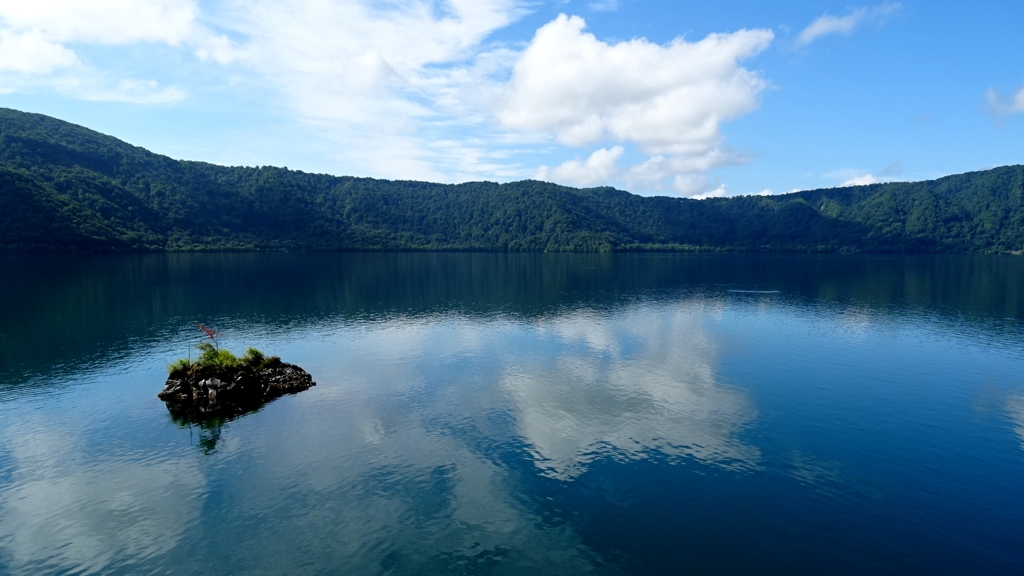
[
  {"x": 213, "y": 359},
  {"x": 211, "y": 333}
]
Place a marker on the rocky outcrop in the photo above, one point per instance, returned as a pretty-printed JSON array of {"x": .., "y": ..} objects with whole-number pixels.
[{"x": 198, "y": 396}]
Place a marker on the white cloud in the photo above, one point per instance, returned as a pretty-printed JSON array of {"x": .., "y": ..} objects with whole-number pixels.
[
  {"x": 720, "y": 192},
  {"x": 770, "y": 192},
  {"x": 84, "y": 83},
  {"x": 30, "y": 53},
  {"x": 855, "y": 177},
  {"x": 412, "y": 88},
  {"x": 668, "y": 100},
  {"x": 1018, "y": 101},
  {"x": 133, "y": 91},
  {"x": 862, "y": 180},
  {"x": 104, "y": 21},
  {"x": 381, "y": 84},
  {"x": 115, "y": 22},
  {"x": 350, "y": 50},
  {"x": 828, "y": 24},
  {"x": 390, "y": 83},
  {"x": 34, "y": 39},
  {"x": 605, "y": 5},
  {"x": 1001, "y": 106},
  {"x": 682, "y": 174},
  {"x": 598, "y": 168}
]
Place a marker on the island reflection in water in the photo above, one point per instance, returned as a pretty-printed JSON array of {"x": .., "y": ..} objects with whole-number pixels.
[{"x": 494, "y": 413}]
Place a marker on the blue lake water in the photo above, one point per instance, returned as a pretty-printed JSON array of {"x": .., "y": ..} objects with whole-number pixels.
[{"x": 505, "y": 414}]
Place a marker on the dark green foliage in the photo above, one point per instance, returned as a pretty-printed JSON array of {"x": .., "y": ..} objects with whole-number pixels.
[{"x": 63, "y": 187}]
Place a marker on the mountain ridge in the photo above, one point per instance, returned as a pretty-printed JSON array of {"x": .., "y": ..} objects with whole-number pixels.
[{"x": 65, "y": 187}]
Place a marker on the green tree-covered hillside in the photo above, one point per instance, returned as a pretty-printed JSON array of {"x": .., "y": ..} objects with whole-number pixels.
[{"x": 64, "y": 187}]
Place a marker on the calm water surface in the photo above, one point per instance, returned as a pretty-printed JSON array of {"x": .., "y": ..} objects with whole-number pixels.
[{"x": 495, "y": 414}]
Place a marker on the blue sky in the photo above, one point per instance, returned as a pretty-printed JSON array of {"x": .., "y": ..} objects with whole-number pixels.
[{"x": 675, "y": 98}]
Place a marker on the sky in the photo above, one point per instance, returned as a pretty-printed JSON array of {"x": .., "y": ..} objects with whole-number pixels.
[{"x": 677, "y": 98}]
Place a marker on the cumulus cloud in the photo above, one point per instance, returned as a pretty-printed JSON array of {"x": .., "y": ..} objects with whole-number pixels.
[
  {"x": 417, "y": 88},
  {"x": 856, "y": 177},
  {"x": 598, "y": 168},
  {"x": 683, "y": 174},
  {"x": 406, "y": 75},
  {"x": 862, "y": 180},
  {"x": 828, "y": 24},
  {"x": 720, "y": 192},
  {"x": 670, "y": 101},
  {"x": 770, "y": 192}
]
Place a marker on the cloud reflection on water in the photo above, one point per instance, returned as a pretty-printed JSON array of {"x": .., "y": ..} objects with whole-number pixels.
[
  {"x": 420, "y": 472},
  {"x": 1015, "y": 409},
  {"x": 65, "y": 511},
  {"x": 621, "y": 385},
  {"x": 374, "y": 469},
  {"x": 471, "y": 409}
]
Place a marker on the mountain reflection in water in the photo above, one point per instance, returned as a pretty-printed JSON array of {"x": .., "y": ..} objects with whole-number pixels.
[{"x": 491, "y": 413}]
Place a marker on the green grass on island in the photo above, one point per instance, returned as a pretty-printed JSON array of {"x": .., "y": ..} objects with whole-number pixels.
[{"x": 219, "y": 362}]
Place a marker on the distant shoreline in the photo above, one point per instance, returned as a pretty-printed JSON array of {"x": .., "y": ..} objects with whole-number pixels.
[{"x": 64, "y": 188}]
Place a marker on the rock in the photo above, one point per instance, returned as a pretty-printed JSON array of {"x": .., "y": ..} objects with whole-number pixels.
[{"x": 204, "y": 396}]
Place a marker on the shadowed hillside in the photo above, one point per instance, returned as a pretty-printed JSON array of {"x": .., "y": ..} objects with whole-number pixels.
[{"x": 64, "y": 187}]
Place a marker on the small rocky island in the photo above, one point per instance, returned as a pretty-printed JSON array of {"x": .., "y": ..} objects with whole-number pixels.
[{"x": 221, "y": 386}]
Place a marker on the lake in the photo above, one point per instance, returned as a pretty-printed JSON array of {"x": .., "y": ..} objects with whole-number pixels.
[{"x": 520, "y": 414}]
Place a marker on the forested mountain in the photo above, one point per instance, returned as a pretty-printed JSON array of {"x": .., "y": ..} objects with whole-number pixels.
[{"x": 64, "y": 187}]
